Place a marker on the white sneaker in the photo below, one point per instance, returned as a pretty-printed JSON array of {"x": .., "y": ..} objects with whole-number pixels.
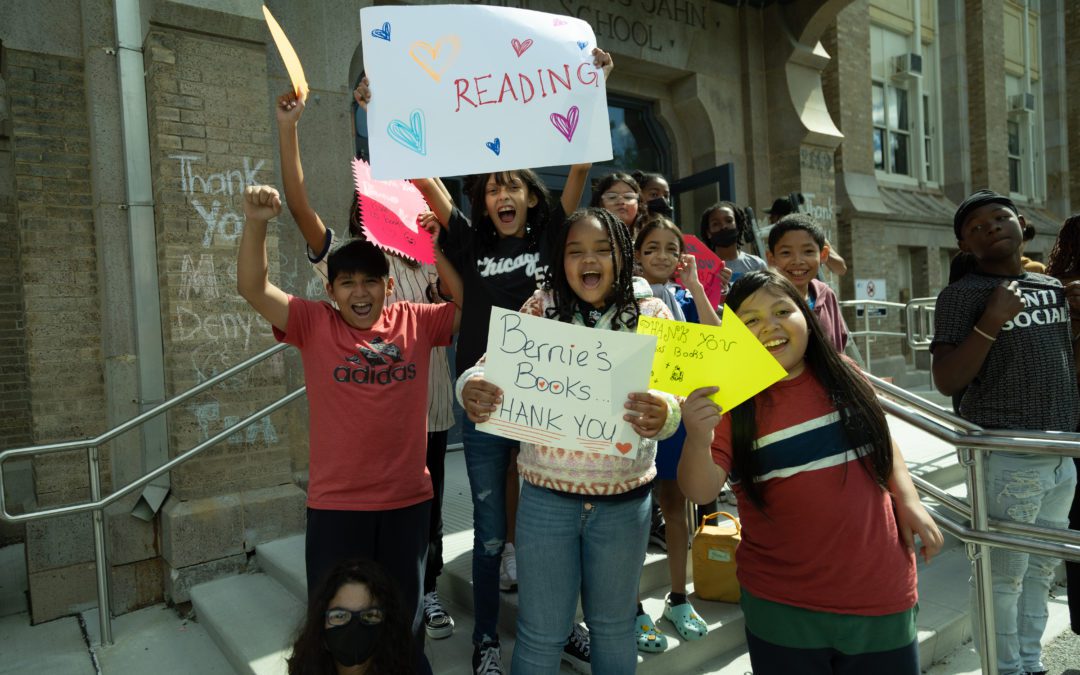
[
  {"x": 437, "y": 621},
  {"x": 508, "y": 570}
]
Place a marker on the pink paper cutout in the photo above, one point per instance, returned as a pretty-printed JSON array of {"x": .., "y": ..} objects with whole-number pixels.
[
  {"x": 388, "y": 209},
  {"x": 709, "y": 266}
]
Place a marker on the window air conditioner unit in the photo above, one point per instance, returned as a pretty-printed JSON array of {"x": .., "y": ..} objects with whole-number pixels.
[
  {"x": 907, "y": 64},
  {"x": 1022, "y": 103}
]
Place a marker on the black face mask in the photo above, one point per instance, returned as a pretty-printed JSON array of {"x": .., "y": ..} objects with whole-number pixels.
[
  {"x": 724, "y": 238},
  {"x": 659, "y": 205},
  {"x": 353, "y": 643}
]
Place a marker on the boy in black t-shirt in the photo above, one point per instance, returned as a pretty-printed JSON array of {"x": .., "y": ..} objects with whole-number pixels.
[{"x": 1002, "y": 336}]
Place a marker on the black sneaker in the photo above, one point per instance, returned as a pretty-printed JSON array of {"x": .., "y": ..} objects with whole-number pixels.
[
  {"x": 576, "y": 650},
  {"x": 658, "y": 536},
  {"x": 487, "y": 659},
  {"x": 437, "y": 621}
]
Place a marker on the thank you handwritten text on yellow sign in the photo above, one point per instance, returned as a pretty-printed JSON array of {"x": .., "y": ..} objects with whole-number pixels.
[{"x": 689, "y": 356}]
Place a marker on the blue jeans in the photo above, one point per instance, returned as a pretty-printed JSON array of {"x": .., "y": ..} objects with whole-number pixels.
[
  {"x": 568, "y": 546},
  {"x": 1027, "y": 489},
  {"x": 486, "y": 460}
]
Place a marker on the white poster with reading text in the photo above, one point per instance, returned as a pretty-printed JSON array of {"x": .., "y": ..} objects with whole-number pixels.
[
  {"x": 461, "y": 89},
  {"x": 564, "y": 385}
]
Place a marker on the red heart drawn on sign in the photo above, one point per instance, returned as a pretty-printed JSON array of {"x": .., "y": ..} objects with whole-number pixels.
[
  {"x": 521, "y": 45},
  {"x": 623, "y": 447}
]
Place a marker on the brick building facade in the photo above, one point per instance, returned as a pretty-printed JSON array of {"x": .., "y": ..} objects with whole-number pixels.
[{"x": 782, "y": 93}]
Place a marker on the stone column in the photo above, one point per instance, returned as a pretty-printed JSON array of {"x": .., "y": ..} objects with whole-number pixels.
[
  {"x": 211, "y": 134},
  {"x": 987, "y": 114}
]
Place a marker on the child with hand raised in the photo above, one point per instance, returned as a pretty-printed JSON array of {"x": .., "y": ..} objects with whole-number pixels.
[
  {"x": 502, "y": 256},
  {"x": 584, "y": 517},
  {"x": 365, "y": 362},
  {"x": 414, "y": 282},
  {"x": 829, "y": 512}
]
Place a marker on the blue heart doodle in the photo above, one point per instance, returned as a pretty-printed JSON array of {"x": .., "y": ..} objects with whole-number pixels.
[
  {"x": 495, "y": 146},
  {"x": 410, "y": 135},
  {"x": 382, "y": 33},
  {"x": 581, "y": 45}
]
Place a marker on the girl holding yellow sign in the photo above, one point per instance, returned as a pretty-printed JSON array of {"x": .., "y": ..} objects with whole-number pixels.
[{"x": 829, "y": 512}]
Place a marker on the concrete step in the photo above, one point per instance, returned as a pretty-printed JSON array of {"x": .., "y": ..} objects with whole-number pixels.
[
  {"x": 283, "y": 561},
  {"x": 944, "y": 625},
  {"x": 252, "y": 619}
]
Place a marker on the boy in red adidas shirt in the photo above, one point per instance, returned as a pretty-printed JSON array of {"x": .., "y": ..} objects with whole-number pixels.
[{"x": 366, "y": 369}]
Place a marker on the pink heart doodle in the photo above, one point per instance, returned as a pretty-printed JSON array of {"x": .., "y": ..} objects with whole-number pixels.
[
  {"x": 566, "y": 124},
  {"x": 558, "y": 22},
  {"x": 520, "y": 46}
]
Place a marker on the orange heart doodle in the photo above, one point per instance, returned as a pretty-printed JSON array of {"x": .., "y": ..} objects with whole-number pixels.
[
  {"x": 436, "y": 59},
  {"x": 623, "y": 447}
]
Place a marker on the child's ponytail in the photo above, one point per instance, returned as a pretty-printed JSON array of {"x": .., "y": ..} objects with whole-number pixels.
[{"x": 862, "y": 418}]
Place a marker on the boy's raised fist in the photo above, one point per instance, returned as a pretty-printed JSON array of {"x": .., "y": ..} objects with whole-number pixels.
[{"x": 261, "y": 203}]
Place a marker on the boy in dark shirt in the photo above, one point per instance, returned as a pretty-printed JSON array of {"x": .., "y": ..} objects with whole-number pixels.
[{"x": 1002, "y": 336}]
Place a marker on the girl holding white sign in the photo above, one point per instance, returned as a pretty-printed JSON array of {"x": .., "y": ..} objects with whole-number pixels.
[
  {"x": 584, "y": 517},
  {"x": 829, "y": 512}
]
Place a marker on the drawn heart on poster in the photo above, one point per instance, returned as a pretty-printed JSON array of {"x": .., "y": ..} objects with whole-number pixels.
[
  {"x": 382, "y": 33},
  {"x": 520, "y": 46},
  {"x": 566, "y": 124},
  {"x": 410, "y": 135},
  {"x": 495, "y": 146},
  {"x": 436, "y": 59},
  {"x": 623, "y": 447}
]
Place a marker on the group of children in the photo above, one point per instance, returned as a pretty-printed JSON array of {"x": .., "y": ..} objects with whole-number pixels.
[{"x": 829, "y": 512}]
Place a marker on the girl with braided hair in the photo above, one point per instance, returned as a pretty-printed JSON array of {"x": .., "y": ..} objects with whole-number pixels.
[{"x": 583, "y": 519}]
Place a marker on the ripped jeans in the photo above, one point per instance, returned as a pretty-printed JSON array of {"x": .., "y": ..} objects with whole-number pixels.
[
  {"x": 486, "y": 460},
  {"x": 1028, "y": 489}
]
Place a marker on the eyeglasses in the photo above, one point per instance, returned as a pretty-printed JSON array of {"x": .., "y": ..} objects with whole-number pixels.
[
  {"x": 630, "y": 197},
  {"x": 336, "y": 616}
]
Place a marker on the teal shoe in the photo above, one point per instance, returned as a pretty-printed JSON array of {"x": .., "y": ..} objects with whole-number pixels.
[
  {"x": 650, "y": 639},
  {"x": 687, "y": 623}
]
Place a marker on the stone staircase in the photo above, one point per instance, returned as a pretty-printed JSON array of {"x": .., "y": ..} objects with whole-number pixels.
[{"x": 252, "y": 618}]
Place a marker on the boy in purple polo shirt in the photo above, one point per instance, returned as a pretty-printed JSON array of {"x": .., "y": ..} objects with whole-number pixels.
[{"x": 797, "y": 248}]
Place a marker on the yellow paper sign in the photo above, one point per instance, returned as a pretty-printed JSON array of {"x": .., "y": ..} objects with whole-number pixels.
[
  {"x": 288, "y": 55},
  {"x": 689, "y": 356}
]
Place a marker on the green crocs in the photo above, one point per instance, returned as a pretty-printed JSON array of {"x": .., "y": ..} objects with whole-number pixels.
[
  {"x": 650, "y": 639},
  {"x": 687, "y": 623}
]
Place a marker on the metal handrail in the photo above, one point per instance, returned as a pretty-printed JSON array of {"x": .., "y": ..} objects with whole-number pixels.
[
  {"x": 973, "y": 443},
  {"x": 160, "y": 471},
  {"x": 139, "y": 419},
  {"x": 866, "y": 333},
  {"x": 97, "y": 502}
]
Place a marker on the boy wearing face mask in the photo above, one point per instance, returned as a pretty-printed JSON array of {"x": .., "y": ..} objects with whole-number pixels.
[{"x": 724, "y": 226}]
